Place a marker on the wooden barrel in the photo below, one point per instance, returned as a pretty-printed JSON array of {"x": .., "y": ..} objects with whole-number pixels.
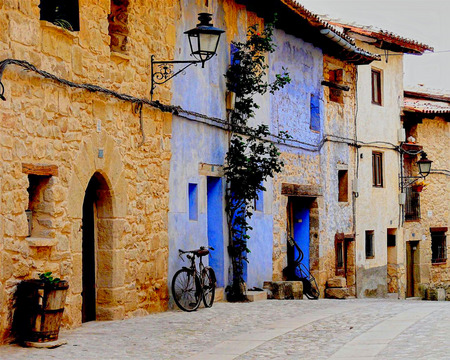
[{"x": 45, "y": 307}]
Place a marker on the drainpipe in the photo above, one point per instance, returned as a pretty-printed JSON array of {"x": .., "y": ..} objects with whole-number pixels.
[{"x": 343, "y": 43}]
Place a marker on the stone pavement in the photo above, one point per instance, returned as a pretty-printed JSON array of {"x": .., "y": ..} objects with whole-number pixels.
[{"x": 272, "y": 329}]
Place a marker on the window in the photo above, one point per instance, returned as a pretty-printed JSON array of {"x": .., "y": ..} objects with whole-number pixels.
[
  {"x": 63, "y": 13},
  {"x": 193, "y": 202},
  {"x": 259, "y": 201},
  {"x": 438, "y": 245},
  {"x": 340, "y": 255},
  {"x": 376, "y": 87},
  {"x": 343, "y": 185},
  {"x": 118, "y": 26},
  {"x": 377, "y": 169},
  {"x": 412, "y": 205},
  {"x": 336, "y": 76},
  {"x": 370, "y": 251},
  {"x": 314, "y": 110}
]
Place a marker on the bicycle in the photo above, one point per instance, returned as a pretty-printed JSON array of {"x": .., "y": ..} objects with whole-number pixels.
[
  {"x": 190, "y": 286},
  {"x": 299, "y": 272}
]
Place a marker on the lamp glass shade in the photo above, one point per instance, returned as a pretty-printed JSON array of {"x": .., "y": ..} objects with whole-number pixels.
[
  {"x": 204, "y": 38},
  {"x": 424, "y": 166}
]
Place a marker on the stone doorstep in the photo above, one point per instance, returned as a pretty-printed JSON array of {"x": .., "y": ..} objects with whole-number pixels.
[
  {"x": 218, "y": 296},
  {"x": 256, "y": 295},
  {"x": 337, "y": 282},
  {"x": 282, "y": 290},
  {"x": 337, "y": 293}
]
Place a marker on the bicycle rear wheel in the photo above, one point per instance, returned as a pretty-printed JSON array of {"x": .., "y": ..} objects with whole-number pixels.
[
  {"x": 186, "y": 290},
  {"x": 209, "y": 286}
]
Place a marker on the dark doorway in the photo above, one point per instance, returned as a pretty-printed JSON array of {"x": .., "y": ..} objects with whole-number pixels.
[
  {"x": 411, "y": 267},
  {"x": 89, "y": 251},
  {"x": 298, "y": 229}
]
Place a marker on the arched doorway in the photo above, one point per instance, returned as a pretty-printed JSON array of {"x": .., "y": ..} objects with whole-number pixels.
[{"x": 96, "y": 208}]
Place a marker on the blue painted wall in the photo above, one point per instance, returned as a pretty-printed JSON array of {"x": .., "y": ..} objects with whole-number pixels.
[{"x": 203, "y": 91}]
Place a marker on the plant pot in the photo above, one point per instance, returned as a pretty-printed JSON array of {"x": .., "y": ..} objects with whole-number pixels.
[
  {"x": 43, "y": 305},
  {"x": 418, "y": 188}
]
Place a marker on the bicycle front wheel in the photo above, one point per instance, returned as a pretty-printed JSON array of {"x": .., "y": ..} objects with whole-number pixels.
[
  {"x": 186, "y": 290},
  {"x": 209, "y": 286}
]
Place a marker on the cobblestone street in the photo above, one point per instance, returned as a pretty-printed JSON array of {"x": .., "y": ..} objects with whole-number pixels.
[{"x": 324, "y": 329}]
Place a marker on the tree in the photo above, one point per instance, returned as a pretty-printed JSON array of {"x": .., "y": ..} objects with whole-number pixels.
[{"x": 252, "y": 157}]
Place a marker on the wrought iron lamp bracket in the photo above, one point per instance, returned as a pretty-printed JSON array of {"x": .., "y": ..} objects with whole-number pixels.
[{"x": 163, "y": 71}]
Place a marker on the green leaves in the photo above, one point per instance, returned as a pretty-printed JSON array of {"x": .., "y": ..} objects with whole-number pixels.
[{"x": 48, "y": 278}]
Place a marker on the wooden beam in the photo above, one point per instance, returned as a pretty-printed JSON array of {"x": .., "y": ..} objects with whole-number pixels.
[
  {"x": 40, "y": 169},
  {"x": 335, "y": 85}
]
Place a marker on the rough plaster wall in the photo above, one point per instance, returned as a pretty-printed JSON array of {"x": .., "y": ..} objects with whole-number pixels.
[
  {"x": 290, "y": 111},
  {"x": 378, "y": 208},
  {"x": 433, "y": 135},
  {"x": 339, "y": 121},
  {"x": 43, "y": 122},
  {"x": 203, "y": 91}
]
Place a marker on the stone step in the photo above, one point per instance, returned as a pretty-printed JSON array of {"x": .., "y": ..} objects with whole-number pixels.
[
  {"x": 282, "y": 290},
  {"x": 414, "y": 298},
  {"x": 218, "y": 296},
  {"x": 256, "y": 295}
]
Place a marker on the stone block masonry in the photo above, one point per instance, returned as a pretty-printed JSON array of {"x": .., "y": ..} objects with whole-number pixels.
[{"x": 56, "y": 142}]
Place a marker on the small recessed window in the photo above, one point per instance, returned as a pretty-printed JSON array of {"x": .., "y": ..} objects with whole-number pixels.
[
  {"x": 370, "y": 251},
  {"x": 337, "y": 77},
  {"x": 376, "y": 87},
  {"x": 63, "y": 13},
  {"x": 193, "y": 202},
  {"x": 314, "y": 110},
  {"x": 259, "y": 201},
  {"x": 118, "y": 26},
  {"x": 377, "y": 169},
  {"x": 438, "y": 246},
  {"x": 343, "y": 185}
]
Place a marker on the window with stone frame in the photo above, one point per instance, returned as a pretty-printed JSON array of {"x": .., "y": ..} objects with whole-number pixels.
[
  {"x": 438, "y": 245},
  {"x": 63, "y": 13},
  {"x": 118, "y": 26}
]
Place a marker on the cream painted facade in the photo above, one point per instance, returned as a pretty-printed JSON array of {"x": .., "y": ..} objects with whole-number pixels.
[
  {"x": 377, "y": 208},
  {"x": 56, "y": 142}
]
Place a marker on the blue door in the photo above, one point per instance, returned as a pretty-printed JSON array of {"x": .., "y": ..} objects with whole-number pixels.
[
  {"x": 215, "y": 227},
  {"x": 301, "y": 230}
]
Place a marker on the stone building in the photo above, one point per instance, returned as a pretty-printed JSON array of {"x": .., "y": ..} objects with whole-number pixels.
[
  {"x": 427, "y": 210},
  {"x": 89, "y": 173},
  {"x": 378, "y": 229},
  {"x": 197, "y": 215}
]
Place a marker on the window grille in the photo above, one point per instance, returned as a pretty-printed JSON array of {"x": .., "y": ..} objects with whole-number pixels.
[
  {"x": 412, "y": 205},
  {"x": 438, "y": 247}
]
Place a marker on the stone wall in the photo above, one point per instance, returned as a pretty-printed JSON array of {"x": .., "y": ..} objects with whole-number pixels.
[
  {"x": 81, "y": 134},
  {"x": 433, "y": 134},
  {"x": 338, "y": 155}
]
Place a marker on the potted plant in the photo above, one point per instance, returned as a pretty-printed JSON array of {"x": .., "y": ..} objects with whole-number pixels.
[
  {"x": 43, "y": 302},
  {"x": 418, "y": 186}
]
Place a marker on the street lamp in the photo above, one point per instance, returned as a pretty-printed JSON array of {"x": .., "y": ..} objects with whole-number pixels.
[
  {"x": 203, "y": 41},
  {"x": 424, "y": 165}
]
